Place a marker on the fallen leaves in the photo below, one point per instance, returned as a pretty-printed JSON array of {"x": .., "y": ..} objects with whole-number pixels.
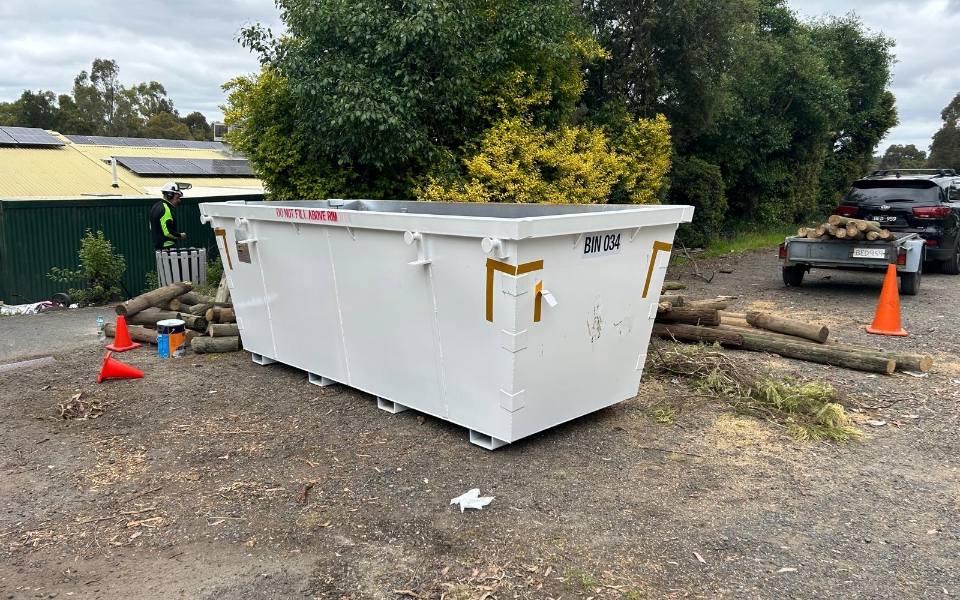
[
  {"x": 79, "y": 409},
  {"x": 302, "y": 496}
]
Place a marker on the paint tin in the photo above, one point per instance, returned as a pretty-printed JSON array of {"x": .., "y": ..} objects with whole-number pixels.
[{"x": 171, "y": 338}]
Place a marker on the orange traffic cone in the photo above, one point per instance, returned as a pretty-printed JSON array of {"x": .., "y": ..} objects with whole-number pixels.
[
  {"x": 121, "y": 339},
  {"x": 114, "y": 369},
  {"x": 887, "y": 319}
]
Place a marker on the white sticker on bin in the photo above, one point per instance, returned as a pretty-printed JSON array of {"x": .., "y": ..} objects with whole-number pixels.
[
  {"x": 549, "y": 298},
  {"x": 601, "y": 244}
]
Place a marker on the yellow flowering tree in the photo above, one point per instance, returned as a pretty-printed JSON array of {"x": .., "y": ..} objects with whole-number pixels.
[{"x": 580, "y": 164}]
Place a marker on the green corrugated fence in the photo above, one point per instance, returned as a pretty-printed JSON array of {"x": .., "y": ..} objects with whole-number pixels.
[{"x": 36, "y": 235}]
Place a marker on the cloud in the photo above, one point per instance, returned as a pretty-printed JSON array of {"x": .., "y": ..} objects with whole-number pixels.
[
  {"x": 190, "y": 47},
  {"x": 926, "y": 76}
]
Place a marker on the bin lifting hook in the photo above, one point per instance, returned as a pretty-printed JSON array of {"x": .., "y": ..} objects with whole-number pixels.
[
  {"x": 495, "y": 245},
  {"x": 415, "y": 237}
]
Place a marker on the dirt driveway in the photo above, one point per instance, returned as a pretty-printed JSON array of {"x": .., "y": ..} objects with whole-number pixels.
[{"x": 217, "y": 478}]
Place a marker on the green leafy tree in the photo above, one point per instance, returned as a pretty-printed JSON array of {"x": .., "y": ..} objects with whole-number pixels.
[
  {"x": 673, "y": 57},
  {"x": 196, "y": 122},
  {"x": 100, "y": 271},
  {"x": 945, "y": 149},
  {"x": 758, "y": 144},
  {"x": 384, "y": 93},
  {"x": 899, "y": 156},
  {"x": 151, "y": 99},
  {"x": 700, "y": 184},
  {"x": 860, "y": 61},
  {"x": 165, "y": 126},
  {"x": 31, "y": 110},
  {"x": 69, "y": 120}
]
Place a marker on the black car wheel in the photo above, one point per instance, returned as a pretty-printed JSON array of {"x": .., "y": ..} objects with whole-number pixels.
[
  {"x": 910, "y": 283},
  {"x": 793, "y": 276},
  {"x": 951, "y": 266}
]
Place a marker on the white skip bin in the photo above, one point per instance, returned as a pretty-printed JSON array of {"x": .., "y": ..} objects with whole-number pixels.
[{"x": 506, "y": 319}]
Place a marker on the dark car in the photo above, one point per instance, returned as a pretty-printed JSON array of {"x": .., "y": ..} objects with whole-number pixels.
[{"x": 922, "y": 201}]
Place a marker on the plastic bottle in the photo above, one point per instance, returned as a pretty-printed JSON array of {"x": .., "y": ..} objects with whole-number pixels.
[{"x": 101, "y": 334}]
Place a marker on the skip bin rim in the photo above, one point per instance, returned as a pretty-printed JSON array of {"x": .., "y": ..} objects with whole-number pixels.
[{"x": 559, "y": 219}]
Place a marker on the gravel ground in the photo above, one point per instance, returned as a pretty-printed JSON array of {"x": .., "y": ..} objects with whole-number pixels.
[
  {"x": 213, "y": 477},
  {"x": 57, "y": 331}
]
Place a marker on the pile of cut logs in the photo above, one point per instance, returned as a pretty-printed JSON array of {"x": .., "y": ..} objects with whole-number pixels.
[
  {"x": 843, "y": 228},
  {"x": 211, "y": 325},
  {"x": 708, "y": 321}
]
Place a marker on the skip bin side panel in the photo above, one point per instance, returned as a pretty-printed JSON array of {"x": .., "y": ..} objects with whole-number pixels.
[
  {"x": 476, "y": 365},
  {"x": 245, "y": 280},
  {"x": 304, "y": 312},
  {"x": 584, "y": 352},
  {"x": 386, "y": 313}
]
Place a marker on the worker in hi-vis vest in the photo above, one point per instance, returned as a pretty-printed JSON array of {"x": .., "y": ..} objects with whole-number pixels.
[{"x": 163, "y": 227}]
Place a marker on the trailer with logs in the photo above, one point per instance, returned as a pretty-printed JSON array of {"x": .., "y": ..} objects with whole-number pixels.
[{"x": 852, "y": 244}]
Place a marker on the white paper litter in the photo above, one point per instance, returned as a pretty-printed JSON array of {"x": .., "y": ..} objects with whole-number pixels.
[
  {"x": 472, "y": 499},
  {"x": 24, "y": 309}
]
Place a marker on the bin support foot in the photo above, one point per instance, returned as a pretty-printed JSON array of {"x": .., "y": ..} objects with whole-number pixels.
[
  {"x": 320, "y": 380},
  {"x": 261, "y": 359},
  {"x": 390, "y": 407},
  {"x": 486, "y": 441}
]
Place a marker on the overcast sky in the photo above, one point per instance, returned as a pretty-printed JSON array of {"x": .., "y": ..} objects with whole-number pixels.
[{"x": 190, "y": 47}]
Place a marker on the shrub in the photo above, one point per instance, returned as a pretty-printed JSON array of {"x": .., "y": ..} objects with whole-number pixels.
[
  {"x": 518, "y": 161},
  {"x": 100, "y": 270},
  {"x": 698, "y": 183}
]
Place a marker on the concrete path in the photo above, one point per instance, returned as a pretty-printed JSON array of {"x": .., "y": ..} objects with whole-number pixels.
[{"x": 50, "y": 333}]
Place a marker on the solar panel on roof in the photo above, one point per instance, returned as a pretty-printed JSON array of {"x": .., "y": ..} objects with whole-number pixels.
[
  {"x": 102, "y": 140},
  {"x": 170, "y": 143},
  {"x": 31, "y": 136},
  {"x": 139, "y": 142},
  {"x": 142, "y": 165},
  {"x": 79, "y": 139},
  {"x": 6, "y": 140},
  {"x": 231, "y": 167},
  {"x": 182, "y": 166}
]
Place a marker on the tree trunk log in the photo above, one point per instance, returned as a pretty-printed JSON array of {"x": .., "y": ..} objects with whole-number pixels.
[
  {"x": 158, "y": 296},
  {"x": 812, "y": 234},
  {"x": 693, "y": 333},
  {"x": 211, "y": 345},
  {"x": 173, "y": 304},
  {"x": 674, "y": 285},
  {"x": 692, "y": 316},
  {"x": 192, "y": 298},
  {"x": 223, "y": 292},
  {"x": 735, "y": 322},
  {"x": 910, "y": 362},
  {"x": 866, "y": 226},
  {"x": 888, "y": 235},
  {"x": 672, "y": 299},
  {"x": 223, "y": 330},
  {"x": 819, "y": 353},
  {"x": 838, "y": 220},
  {"x": 709, "y": 304},
  {"x": 227, "y": 315},
  {"x": 817, "y": 333},
  {"x": 199, "y": 309},
  {"x": 143, "y": 335}
]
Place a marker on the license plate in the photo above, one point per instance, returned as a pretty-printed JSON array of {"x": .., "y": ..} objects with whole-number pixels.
[
  {"x": 883, "y": 218},
  {"x": 869, "y": 252}
]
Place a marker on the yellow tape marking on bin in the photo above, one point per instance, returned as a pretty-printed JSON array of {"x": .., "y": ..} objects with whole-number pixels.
[
  {"x": 657, "y": 247},
  {"x": 222, "y": 233},
  {"x": 496, "y": 265},
  {"x": 537, "y": 301}
]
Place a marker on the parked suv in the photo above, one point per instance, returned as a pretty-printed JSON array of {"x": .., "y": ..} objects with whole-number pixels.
[{"x": 923, "y": 201}]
